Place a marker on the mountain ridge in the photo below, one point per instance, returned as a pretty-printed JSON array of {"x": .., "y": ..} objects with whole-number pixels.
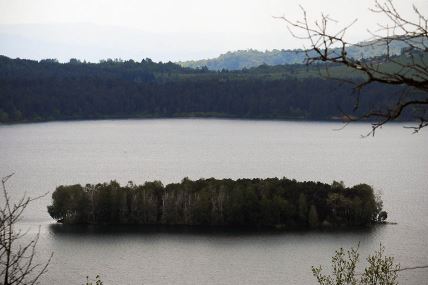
[{"x": 242, "y": 59}]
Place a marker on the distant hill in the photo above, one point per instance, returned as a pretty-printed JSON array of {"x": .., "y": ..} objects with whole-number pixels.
[{"x": 240, "y": 59}]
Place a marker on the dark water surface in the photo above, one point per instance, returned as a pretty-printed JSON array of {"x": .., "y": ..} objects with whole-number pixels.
[{"x": 46, "y": 155}]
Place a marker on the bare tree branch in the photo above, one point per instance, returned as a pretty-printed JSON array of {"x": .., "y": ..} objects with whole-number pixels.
[
  {"x": 410, "y": 69},
  {"x": 17, "y": 258}
]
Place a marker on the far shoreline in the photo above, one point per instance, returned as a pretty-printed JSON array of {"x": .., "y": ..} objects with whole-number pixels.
[{"x": 202, "y": 118}]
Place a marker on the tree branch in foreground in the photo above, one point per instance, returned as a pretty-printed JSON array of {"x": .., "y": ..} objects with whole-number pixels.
[
  {"x": 408, "y": 69},
  {"x": 17, "y": 257}
]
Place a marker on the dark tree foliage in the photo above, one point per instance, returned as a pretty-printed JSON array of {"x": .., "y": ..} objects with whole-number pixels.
[
  {"x": 270, "y": 202},
  {"x": 48, "y": 90}
]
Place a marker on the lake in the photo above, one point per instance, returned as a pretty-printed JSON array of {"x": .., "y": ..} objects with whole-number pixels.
[{"x": 45, "y": 155}]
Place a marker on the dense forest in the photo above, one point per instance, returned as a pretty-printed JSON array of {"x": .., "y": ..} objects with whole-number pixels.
[
  {"x": 49, "y": 90},
  {"x": 272, "y": 202}
]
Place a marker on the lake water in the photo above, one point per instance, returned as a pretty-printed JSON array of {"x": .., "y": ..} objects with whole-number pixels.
[{"x": 46, "y": 155}]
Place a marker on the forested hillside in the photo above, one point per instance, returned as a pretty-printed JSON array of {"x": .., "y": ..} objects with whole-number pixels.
[
  {"x": 48, "y": 90},
  {"x": 240, "y": 59}
]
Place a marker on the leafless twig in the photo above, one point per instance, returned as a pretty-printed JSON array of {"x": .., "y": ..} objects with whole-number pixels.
[
  {"x": 17, "y": 258},
  {"x": 410, "y": 69}
]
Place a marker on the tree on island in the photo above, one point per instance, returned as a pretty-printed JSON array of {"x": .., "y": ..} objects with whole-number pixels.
[
  {"x": 270, "y": 202},
  {"x": 409, "y": 70}
]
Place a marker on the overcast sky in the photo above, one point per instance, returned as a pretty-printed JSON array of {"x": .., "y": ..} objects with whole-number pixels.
[{"x": 166, "y": 29}]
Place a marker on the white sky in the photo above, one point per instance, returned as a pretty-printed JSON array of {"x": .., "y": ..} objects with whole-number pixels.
[{"x": 167, "y": 29}]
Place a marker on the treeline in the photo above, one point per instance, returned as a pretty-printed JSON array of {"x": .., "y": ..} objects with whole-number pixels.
[
  {"x": 270, "y": 202},
  {"x": 48, "y": 90}
]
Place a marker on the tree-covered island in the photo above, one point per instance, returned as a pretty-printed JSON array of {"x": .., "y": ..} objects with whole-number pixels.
[{"x": 270, "y": 202}]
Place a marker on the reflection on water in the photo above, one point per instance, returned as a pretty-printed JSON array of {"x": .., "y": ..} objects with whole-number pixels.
[
  {"x": 114, "y": 230},
  {"x": 186, "y": 255}
]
